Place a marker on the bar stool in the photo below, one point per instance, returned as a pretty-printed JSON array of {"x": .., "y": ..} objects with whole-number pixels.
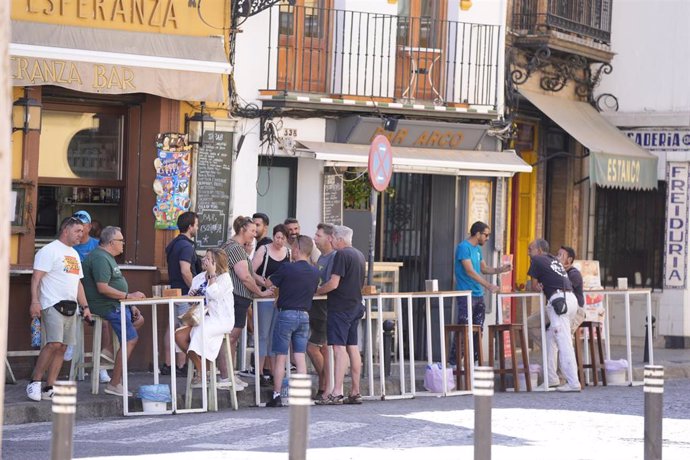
[
  {"x": 462, "y": 345},
  {"x": 591, "y": 327},
  {"x": 213, "y": 386},
  {"x": 515, "y": 331},
  {"x": 79, "y": 363}
]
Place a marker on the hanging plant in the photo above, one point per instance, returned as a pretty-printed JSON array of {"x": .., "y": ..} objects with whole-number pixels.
[{"x": 357, "y": 189}]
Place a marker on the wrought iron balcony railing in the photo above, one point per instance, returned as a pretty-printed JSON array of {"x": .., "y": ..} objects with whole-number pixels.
[
  {"x": 369, "y": 55},
  {"x": 587, "y": 18}
]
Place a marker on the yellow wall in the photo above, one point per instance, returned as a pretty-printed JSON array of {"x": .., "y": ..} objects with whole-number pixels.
[
  {"x": 526, "y": 218},
  {"x": 156, "y": 16}
]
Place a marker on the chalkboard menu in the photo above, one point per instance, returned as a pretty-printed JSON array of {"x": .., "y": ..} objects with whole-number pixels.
[
  {"x": 213, "y": 167},
  {"x": 332, "y": 198}
]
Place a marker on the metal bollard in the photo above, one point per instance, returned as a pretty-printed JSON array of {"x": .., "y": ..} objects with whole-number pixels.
[
  {"x": 300, "y": 400},
  {"x": 653, "y": 411},
  {"x": 483, "y": 393},
  {"x": 388, "y": 327},
  {"x": 64, "y": 408},
  {"x": 646, "y": 338}
]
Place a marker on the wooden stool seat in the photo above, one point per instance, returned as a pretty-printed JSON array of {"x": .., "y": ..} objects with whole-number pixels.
[
  {"x": 213, "y": 385},
  {"x": 462, "y": 346},
  {"x": 593, "y": 331},
  {"x": 515, "y": 332}
]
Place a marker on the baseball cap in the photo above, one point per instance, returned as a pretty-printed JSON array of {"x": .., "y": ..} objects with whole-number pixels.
[{"x": 83, "y": 216}]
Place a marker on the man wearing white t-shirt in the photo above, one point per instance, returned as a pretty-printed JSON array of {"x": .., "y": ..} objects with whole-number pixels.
[{"x": 56, "y": 291}]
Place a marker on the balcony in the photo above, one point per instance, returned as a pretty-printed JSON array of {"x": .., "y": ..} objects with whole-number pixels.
[
  {"x": 581, "y": 27},
  {"x": 372, "y": 57}
]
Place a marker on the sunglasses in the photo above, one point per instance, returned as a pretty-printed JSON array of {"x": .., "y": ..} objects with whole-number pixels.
[{"x": 81, "y": 216}]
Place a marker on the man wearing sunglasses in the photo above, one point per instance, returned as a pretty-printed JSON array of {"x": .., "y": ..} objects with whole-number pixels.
[
  {"x": 56, "y": 290},
  {"x": 87, "y": 243},
  {"x": 469, "y": 266}
]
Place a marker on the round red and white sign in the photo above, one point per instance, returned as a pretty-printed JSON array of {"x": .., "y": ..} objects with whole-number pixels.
[{"x": 380, "y": 163}]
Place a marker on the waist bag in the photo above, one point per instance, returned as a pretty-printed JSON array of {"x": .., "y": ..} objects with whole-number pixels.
[{"x": 66, "y": 307}]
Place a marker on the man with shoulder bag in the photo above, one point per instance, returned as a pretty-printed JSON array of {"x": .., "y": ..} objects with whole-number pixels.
[
  {"x": 56, "y": 292},
  {"x": 561, "y": 306}
]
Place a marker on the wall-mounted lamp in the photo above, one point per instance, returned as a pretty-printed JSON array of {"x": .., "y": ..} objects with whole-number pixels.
[
  {"x": 26, "y": 115},
  {"x": 390, "y": 124},
  {"x": 465, "y": 5},
  {"x": 198, "y": 125}
]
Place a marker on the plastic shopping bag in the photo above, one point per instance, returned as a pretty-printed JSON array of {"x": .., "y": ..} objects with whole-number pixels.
[{"x": 433, "y": 378}]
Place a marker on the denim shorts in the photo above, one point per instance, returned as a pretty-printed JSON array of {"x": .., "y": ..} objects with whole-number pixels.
[
  {"x": 342, "y": 326},
  {"x": 114, "y": 318},
  {"x": 291, "y": 326}
]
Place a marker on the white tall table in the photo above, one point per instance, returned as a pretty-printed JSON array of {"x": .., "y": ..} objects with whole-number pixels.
[
  {"x": 154, "y": 302},
  {"x": 626, "y": 293}
]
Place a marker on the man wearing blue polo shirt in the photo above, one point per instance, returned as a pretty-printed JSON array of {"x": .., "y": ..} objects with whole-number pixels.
[
  {"x": 468, "y": 266},
  {"x": 297, "y": 282}
]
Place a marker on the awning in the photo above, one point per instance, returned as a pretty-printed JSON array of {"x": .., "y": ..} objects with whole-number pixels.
[
  {"x": 422, "y": 161},
  {"x": 116, "y": 62},
  {"x": 615, "y": 161}
]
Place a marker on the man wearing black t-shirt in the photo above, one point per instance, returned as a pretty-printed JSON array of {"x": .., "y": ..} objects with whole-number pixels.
[
  {"x": 553, "y": 280},
  {"x": 261, "y": 221},
  {"x": 345, "y": 310},
  {"x": 566, "y": 256},
  {"x": 182, "y": 268}
]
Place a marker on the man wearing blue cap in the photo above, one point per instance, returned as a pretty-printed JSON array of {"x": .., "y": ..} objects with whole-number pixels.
[
  {"x": 85, "y": 246},
  {"x": 87, "y": 243}
]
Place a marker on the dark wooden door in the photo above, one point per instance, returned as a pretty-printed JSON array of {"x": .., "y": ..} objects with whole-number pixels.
[
  {"x": 303, "y": 44},
  {"x": 420, "y": 51}
]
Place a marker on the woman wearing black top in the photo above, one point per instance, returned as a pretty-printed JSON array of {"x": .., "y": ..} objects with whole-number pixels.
[{"x": 267, "y": 259}]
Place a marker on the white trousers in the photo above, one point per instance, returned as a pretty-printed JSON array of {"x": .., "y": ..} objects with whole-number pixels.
[{"x": 559, "y": 341}]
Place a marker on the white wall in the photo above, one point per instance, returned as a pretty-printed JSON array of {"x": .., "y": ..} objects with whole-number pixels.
[{"x": 651, "y": 40}]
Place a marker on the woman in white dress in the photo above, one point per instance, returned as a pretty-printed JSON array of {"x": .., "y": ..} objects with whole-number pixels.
[{"x": 215, "y": 284}]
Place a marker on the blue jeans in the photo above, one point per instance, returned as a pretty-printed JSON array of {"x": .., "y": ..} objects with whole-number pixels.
[
  {"x": 291, "y": 326},
  {"x": 478, "y": 316},
  {"x": 114, "y": 318},
  {"x": 268, "y": 315}
]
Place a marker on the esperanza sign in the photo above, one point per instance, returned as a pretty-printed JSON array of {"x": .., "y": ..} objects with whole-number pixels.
[
  {"x": 676, "y": 244},
  {"x": 660, "y": 139}
]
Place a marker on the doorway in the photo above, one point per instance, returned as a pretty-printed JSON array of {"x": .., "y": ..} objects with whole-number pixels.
[
  {"x": 303, "y": 46},
  {"x": 420, "y": 55}
]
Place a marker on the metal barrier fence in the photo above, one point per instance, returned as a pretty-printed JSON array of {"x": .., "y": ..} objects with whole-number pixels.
[{"x": 375, "y": 306}]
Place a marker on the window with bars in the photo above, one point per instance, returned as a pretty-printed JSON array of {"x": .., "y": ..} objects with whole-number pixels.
[{"x": 629, "y": 235}]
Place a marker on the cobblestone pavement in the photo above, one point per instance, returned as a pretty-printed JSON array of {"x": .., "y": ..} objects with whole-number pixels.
[{"x": 598, "y": 423}]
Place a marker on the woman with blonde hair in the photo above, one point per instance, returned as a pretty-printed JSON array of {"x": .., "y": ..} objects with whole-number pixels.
[
  {"x": 215, "y": 284},
  {"x": 243, "y": 277}
]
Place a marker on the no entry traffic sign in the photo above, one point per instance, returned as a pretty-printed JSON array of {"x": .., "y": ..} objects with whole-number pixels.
[{"x": 380, "y": 163}]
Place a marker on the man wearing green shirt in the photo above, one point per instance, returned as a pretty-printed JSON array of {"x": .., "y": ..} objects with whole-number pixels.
[{"x": 105, "y": 287}]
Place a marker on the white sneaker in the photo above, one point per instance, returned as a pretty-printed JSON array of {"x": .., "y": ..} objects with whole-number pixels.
[
  {"x": 33, "y": 391},
  {"x": 239, "y": 382},
  {"x": 224, "y": 384},
  {"x": 103, "y": 376},
  {"x": 567, "y": 388},
  {"x": 69, "y": 353},
  {"x": 47, "y": 394},
  {"x": 116, "y": 390}
]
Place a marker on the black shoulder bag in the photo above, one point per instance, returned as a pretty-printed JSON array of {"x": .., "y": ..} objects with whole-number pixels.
[{"x": 559, "y": 305}]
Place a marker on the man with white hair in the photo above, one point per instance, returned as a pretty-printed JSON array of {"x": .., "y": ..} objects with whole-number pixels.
[{"x": 345, "y": 310}]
